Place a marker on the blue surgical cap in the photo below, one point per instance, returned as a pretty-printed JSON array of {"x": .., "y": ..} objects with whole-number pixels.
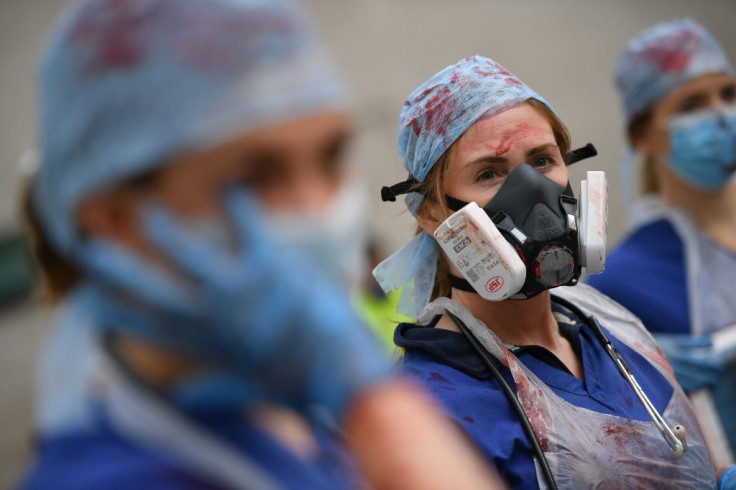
[
  {"x": 441, "y": 109},
  {"x": 434, "y": 116},
  {"x": 128, "y": 85},
  {"x": 663, "y": 57}
]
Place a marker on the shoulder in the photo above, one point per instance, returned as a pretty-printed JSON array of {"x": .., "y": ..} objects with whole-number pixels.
[
  {"x": 646, "y": 250},
  {"x": 102, "y": 460},
  {"x": 426, "y": 345},
  {"x": 646, "y": 274},
  {"x": 446, "y": 363},
  {"x": 659, "y": 233},
  {"x": 481, "y": 409}
]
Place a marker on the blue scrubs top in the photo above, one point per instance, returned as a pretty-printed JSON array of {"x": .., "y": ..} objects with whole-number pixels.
[
  {"x": 445, "y": 362},
  {"x": 646, "y": 274},
  {"x": 105, "y": 459}
]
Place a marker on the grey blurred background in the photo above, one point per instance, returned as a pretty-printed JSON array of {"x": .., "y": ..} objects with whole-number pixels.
[{"x": 563, "y": 49}]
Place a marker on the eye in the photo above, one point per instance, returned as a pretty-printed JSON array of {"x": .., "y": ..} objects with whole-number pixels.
[
  {"x": 541, "y": 162},
  {"x": 260, "y": 170},
  {"x": 693, "y": 103},
  {"x": 332, "y": 158},
  {"x": 486, "y": 175},
  {"x": 728, "y": 94}
]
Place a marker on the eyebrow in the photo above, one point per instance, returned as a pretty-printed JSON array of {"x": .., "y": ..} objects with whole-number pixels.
[
  {"x": 696, "y": 97},
  {"x": 498, "y": 159}
]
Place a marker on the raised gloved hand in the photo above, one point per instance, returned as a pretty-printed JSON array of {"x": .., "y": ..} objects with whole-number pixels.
[
  {"x": 692, "y": 360},
  {"x": 264, "y": 314}
]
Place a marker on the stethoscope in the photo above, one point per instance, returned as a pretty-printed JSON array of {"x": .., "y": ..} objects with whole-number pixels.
[{"x": 675, "y": 437}]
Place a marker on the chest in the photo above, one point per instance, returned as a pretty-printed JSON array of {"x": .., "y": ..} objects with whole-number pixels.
[{"x": 487, "y": 415}]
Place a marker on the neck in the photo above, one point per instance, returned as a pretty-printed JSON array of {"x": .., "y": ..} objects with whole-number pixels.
[
  {"x": 523, "y": 322},
  {"x": 713, "y": 212}
]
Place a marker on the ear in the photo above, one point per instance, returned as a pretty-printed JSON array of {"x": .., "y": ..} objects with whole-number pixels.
[
  {"x": 430, "y": 216},
  {"x": 643, "y": 137},
  {"x": 641, "y": 142},
  {"x": 112, "y": 214}
]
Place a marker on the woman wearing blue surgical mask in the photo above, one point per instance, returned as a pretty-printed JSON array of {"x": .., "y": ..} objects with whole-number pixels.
[
  {"x": 201, "y": 344},
  {"x": 559, "y": 387},
  {"x": 675, "y": 269}
]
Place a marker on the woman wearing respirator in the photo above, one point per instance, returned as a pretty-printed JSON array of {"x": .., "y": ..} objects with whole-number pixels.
[{"x": 558, "y": 385}]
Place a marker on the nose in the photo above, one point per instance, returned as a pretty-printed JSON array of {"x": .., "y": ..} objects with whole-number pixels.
[
  {"x": 313, "y": 194},
  {"x": 726, "y": 113},
  {"x": 309, "y": 190}
]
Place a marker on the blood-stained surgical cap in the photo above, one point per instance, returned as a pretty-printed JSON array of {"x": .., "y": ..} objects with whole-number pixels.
[
  {"x": 433, "y": 117},
  {"x": 663, "y": 57},
  {"x": 441, "y": 109},
  {"x": 126, "y": 86}
]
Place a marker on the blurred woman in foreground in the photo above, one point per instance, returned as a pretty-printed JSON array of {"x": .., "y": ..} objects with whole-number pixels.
[
  {"x": 560, "y": 387},
  {"x": 198, "y": 347}
]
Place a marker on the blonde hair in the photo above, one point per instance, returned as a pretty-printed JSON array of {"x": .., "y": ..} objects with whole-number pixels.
[
  {"x": 634, "y": 131},
  {"x": 58, "y": 273},
  {"x": 433, "y": 188}
]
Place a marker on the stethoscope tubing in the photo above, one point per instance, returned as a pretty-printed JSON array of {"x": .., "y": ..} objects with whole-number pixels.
[
  {"x": 676, "y": 443},
  {"x": 525, "y": 423}
]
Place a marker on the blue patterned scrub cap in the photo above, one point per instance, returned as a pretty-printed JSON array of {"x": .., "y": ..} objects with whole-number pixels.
[
  {"x": 663, "y": 57},
  {"x": 433, "y": 117},
  {"x": 128, "y": 85}
]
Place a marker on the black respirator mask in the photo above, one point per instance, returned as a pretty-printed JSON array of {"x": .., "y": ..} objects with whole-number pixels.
[
  {"x": 552, "y": 237},
  {"x": 538, "y": 218}
]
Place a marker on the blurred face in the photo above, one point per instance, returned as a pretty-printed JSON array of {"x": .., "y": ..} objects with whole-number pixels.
[
  {"x": 296, "y": 165},
  {"x": 702, "y": 93},
  {"x": 293, "y": 166},
  {"x": 481, "y": 158}
]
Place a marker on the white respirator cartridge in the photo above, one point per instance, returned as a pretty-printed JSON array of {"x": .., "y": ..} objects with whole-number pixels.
[
  {"x": 482, "y": 255},
  {"x": 593, "y": 221}
]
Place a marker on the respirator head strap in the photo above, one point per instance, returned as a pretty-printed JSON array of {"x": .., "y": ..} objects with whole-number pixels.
[
  {"x": 587, "y": 151},
  {"x": 461, "y": 284},
  {"x": 390, "y": 193},
  {"x": 455, "y": 204}
]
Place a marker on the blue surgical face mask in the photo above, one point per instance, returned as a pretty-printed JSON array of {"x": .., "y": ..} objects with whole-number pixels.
[
  {"x": 703, "y": 147},
  {"x": 335, "y": 239}
]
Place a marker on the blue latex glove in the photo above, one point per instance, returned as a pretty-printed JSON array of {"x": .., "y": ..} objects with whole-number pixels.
[
  {"x": 266, "y": 315},
  {"x": 692, "y": 360},
  {"x": 728, "y": 479}
]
